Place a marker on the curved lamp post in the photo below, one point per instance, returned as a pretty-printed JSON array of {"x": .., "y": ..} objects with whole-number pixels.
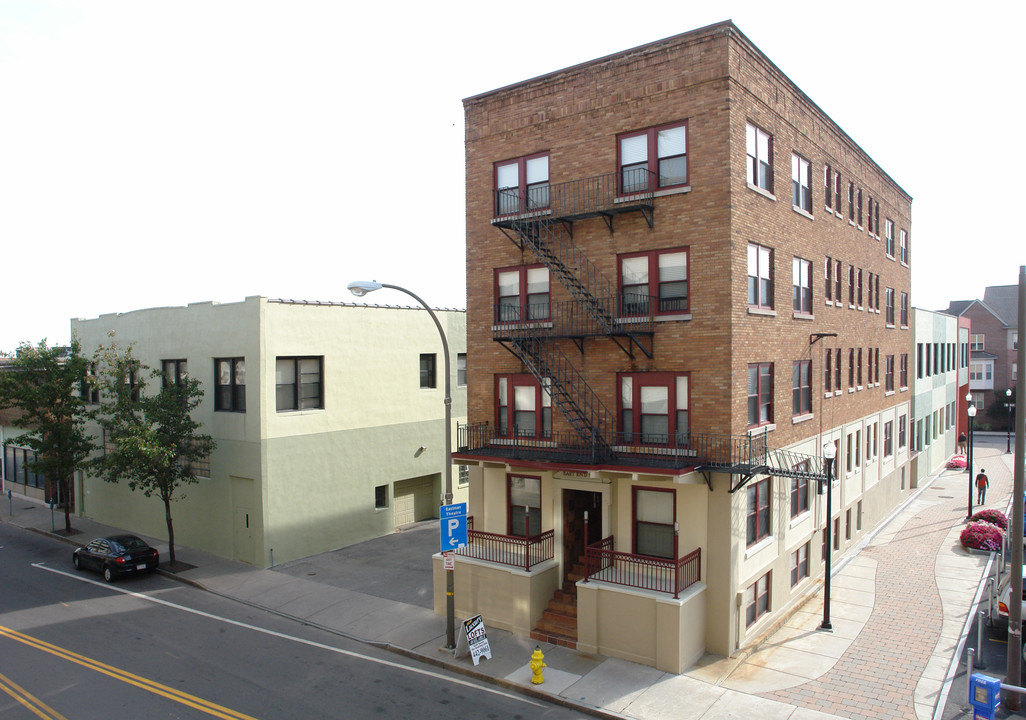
[
  {"x": 969, "y": 463},
  {"x": 359, "y": 288},
  {"x": 829, "y": 453}
]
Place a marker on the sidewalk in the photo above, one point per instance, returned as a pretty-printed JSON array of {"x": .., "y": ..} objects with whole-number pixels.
[{"x": 899, "y": 608}]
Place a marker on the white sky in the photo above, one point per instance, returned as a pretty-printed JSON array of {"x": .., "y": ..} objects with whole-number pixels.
[{"x": 165, "y": 153}]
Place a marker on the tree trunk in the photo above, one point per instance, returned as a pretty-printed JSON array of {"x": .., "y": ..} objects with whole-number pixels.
[
  {"x": 65, "y": 485},
  {"x": 170, "y": 531}
]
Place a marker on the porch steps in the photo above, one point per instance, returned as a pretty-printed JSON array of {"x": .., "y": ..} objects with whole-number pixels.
[{"x": 558, "y": 623}]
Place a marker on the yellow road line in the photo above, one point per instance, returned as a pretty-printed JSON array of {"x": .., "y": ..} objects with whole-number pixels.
[
  {"x": 126, "y": 677},
  {"x": 37, "y": 706}
]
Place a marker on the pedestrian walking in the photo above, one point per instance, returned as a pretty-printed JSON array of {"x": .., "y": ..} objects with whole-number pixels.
[
  {"x": 961, "y": 443},
  {"x": 982, "y": 483}
]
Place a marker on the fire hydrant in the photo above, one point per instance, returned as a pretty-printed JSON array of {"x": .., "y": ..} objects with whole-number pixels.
[{"x": 537, "y": 663}]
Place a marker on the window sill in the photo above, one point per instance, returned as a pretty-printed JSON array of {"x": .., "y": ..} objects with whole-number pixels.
[
  {"x": 837, "y": 393},
  {"x": 799, "y": 518},
  {"x": 765, "y": 312},
  {"x": 904, "y": 264},
  {"x": 761, "y": 429},
  {"x": 672, "y": 318},
  {"x": 803, "y": 316},
  {"x": 888, "y": 393},
  {"x": 672, "y": 191},
  {"x": 859, "y": 388},
  {"x": 828, "y": 302},
  {"x": 860, "y": 308},
  {"x": 890, "y": 326},
  {"x": 851, "y": 306},
  {"x": 296, "y": 411},
  {"x": 797, "y": 419},
  {"x": 904, "y": 327},
  {"x": 904, "y": 389},
  {"x": 804, "y": 213},
  {"x": 851, "y": 390},
  {"x": 852, "y": 223},
  {"x": 828, "y": 394},
  {"x": 760, "y": 545},
  {"x": 889, "y": 256},
  {"x": 765, "y": 193},
  {"x": 633, "y": 197},
  {"x": 839, "y": 216}
]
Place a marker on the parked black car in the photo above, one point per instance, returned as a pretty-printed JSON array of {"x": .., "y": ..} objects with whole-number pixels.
[{"x": 116, "y": 555}]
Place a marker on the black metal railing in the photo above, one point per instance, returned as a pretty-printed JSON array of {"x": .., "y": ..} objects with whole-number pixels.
[
  {"x": 578, "y": 199},
  {"x": 677, "y": 450},
  {"x": 568, "y": 319}
]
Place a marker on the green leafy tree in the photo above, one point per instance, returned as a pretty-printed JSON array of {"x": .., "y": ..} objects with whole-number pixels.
[
  {"x": 998, "y": 410},
  {"x": 42, "y": 384},
  {"x": 150, "y": 438}
]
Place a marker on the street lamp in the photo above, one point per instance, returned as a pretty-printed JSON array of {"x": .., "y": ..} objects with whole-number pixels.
[
  {"x": 359, "y": 289},
  {"x": 829, "y": 453},
  {"x": 1008, "y": 429},
  {"x": 969, "y": 463}
]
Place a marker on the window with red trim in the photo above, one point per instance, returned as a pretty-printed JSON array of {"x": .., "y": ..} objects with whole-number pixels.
[
  {"x": 522, "y": 294},
  {"x": 758, "y": 516},
  {"x": 654, "y": 409},
  {"x": 524, "y": 503},
  {"x": 523, "y": 406},
  {"x": 757, "y": 600},
  {"x": 760, "y": 394},
  {"x": 801, "y": 387},
  {"x": 760, "y": 276},
  {"x": 653, "y": 158},
  {"x": 655, "y": 514},
  {"x": 799, "y": 564},
  {"x": 522, "y": 184},
  {"x": 654, "y": 283}
]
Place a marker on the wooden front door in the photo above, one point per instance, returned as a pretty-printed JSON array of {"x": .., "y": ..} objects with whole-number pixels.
[{"x": 577, "y": 533}]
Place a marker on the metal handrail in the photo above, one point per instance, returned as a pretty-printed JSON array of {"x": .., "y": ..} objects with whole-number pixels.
[{"x": 668, "y": 575}]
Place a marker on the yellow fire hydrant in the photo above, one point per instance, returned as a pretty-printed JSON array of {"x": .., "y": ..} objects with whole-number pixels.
[{"x": 537, "y": 663}]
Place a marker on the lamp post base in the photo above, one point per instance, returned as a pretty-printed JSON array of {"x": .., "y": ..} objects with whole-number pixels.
[{"x": 826, "y": 627}]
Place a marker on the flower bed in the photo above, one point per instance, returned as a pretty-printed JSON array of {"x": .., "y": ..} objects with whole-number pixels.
[
  {"x": 981, "y": 536},
  {"x": 957, "y": 462},
  {"x": 994, "y": 517}
]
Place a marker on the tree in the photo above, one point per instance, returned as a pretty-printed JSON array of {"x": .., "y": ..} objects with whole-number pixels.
[
  {"x": 42, "y": 383},
  {"x": 998, "y": 410},
  {"x": 150, "y": 439}
]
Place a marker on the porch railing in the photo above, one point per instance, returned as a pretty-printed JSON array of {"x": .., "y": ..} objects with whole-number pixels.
[
  {"x": 512, "y": 550},
  {"x": 665, "y": 575}
]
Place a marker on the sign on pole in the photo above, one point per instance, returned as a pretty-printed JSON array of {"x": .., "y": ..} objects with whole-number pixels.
[
  {"x": 453, "y": 527},
  {"x": 448, "y": 561}
]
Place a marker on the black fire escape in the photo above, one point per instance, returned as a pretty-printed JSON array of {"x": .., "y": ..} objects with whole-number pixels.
[{"x": 542, "y": 221}]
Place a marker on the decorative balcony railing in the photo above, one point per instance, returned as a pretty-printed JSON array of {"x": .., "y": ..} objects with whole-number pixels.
[
  {"x": 511, "y": 550},
  {"x": 666, "y": 575}
]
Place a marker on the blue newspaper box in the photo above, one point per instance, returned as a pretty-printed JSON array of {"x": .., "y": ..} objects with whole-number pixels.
[{"x": 984, "y": 695}]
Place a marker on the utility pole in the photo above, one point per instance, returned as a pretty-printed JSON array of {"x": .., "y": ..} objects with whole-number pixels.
[{"x": 1010, "y": 699}]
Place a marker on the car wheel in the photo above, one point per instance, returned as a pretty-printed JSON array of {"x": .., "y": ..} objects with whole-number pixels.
[
  {"x": 108, "y": 574},
  {"x": 76, "y": 562}
]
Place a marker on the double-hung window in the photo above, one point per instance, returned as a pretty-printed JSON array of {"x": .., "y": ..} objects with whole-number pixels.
[
  {"x": 851, "y": 202},
  {"x": 904, "y": 309},
  {"x": 760, "y": 394},
  {"x": 828, "y": 382},
  {"x": 298, "y": 383},
  {"x": 837, "y": 369},
  {"x": 858, "y": 280},
  {"x": 828, "y": 188},
  {"x": 760, "y": 161},
  {"x": 837, "y": 193},
  {"x": 801, "y": 285},
  {"x": 801, "y": 387},
  {"x": 524, "y": 503},
  {"x": 903, "y": 372},
  {"x": 230, "y": 384},
  {"x": 654, "y": 517},
  {"x": 800, "y": 491},
  {"x": 654, "y": 282},
  {"x": 428, "y": 361},
  {"x": 523, "y": 406},
  {"x": 175, "y": 371},
  {"x": 889, "y": 306},
  {"x": 801, "y": 183},
  {"x": 760, "y": 276},
  {"x": 522, "y": 293},
  {"x": 889, "y": 374},
  {"x": 851, "y": 285},
  {"x": 902, "y": 431},
  {"x": 758, "y": 515},
  {"x": 654, "y": 409},
  {"x": 889, "y": 237},
  {"x": 522, "y": 184},
  {"x": 757, "y": 600},
  {"x": 799, "y": 564},
  {"x": 838, "y": 265},
  {"x": 903, "y": 247},
  {"x": 653, "y": 158},
  {"x": 888, "y": 437},
  {"x": 461, "y": 369},
  {"x": 828, "y": 277}
]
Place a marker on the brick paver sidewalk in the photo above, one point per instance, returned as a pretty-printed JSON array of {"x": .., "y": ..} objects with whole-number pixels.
[{"x": 877, "y": 676}]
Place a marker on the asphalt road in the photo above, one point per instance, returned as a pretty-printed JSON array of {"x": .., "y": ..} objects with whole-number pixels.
[{"x": 149, "y": 647}]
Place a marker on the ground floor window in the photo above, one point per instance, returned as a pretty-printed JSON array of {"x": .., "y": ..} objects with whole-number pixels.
[
  {"x": 799, "y": 564},
  {"x": 17, "y": 470},
  {"x": 654, "y": 516},
  {"x": 380, "y": 497},
  {"x": 524, "y": 505},
  {"x": 757, "y": 600}
]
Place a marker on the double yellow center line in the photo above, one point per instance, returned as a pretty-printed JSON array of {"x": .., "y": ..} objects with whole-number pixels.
[{"x": 40, "y": 708}]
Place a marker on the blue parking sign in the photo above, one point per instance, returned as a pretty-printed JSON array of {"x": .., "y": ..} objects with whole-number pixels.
[{"x": 453, "y": 526}]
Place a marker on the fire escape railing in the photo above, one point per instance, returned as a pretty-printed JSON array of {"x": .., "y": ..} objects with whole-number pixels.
[{"x": 567, "y": 319}]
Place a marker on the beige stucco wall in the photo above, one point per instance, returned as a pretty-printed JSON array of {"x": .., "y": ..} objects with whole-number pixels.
[{"x": 302, "y": 482}]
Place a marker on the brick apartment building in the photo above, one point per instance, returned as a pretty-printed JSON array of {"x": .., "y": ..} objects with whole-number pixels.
[
  {"x": 660, "y": 345},
  {"x": 993, "y": 347}
]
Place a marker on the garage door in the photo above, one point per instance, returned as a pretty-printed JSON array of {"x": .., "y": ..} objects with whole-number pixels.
[{"x": 413, "y": 501}]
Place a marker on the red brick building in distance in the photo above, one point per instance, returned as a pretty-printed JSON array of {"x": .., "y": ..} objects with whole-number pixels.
[{"x": 660, "y": 345}]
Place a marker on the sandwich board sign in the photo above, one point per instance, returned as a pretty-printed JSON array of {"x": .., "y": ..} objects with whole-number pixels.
[{"x": 476, "y": 639}]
